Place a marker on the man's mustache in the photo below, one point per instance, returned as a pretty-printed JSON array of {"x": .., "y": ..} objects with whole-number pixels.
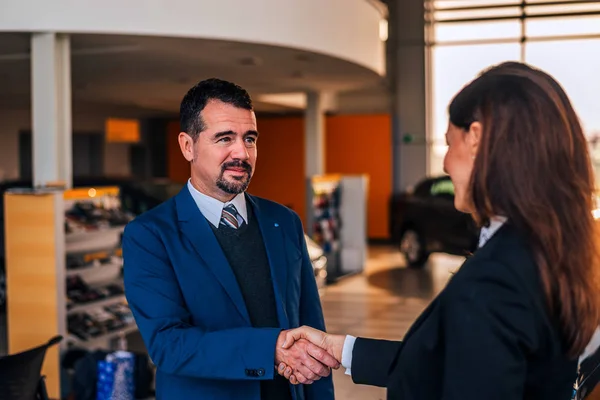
[{"x": 236, "y": 164}]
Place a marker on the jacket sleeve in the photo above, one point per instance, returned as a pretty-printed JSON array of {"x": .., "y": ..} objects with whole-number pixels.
[
  {"x": 373, "y": 360},
  {"x": 311, "y": 314},
  {"x": 174, "y": 344},
  {"x": 489, "y": 328}
]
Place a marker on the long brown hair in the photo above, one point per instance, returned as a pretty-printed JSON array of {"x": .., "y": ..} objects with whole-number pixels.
[{"x": 533, "y": 167}]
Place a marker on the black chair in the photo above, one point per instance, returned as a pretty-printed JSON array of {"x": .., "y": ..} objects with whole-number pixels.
[{"x": 20, "y": 374}]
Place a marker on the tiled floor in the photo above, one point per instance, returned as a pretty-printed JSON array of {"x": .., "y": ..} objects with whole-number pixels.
[{"x": 381, "y": 303}]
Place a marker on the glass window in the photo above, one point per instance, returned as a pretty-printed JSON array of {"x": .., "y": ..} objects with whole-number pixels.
[
  {"x": 441, "y": 4},
  {"x": 454, "y": 67},
  {"x": 574, "y": 61},
  {"x": 441, "y": 15},
  {"x": 550, "y": 1},
  {"x": 564, "y": 3},
  {"x": 575, "y": 65},
  {"x": 564, "y": 26},
  {"x": 560, "y": 8},
  {"x": 451, "y": 32}
]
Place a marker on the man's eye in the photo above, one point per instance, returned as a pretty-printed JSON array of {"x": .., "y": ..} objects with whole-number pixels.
[
  {"x": 251, "y": 139},
  {"x": 225, "y": 139}
]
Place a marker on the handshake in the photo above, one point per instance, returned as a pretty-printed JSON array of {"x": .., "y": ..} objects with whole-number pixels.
[{"x": 305, "y": 355}]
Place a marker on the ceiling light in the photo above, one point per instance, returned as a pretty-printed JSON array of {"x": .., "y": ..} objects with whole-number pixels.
[{"x": 383, "y": 30}]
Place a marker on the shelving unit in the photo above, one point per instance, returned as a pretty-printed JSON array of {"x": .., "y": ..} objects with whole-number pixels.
[
  {"x": 97, "y": 269},
  {"x": 337, "y": 206},
  {"x": 96, "y": 304},
  {"x": 94, "y": 269},
  {"x": 62, "y": 250},
  {"x": 99, "y": 341}
]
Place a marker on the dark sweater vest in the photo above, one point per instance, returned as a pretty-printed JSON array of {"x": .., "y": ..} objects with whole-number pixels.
[{"x": 245, "y": 250}]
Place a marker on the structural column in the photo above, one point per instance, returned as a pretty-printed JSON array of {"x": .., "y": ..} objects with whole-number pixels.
[
  {"x": 51, "y": 109},
  {"x": 407, "y": 68},
  {"x": 314, "y": 134}
]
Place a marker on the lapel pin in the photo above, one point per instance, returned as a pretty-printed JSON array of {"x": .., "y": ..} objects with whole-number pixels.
[{"x": 276, "y": 225}]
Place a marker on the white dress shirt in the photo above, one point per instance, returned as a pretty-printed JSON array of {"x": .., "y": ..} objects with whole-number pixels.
[
  {"x": 212, "y": 208},
  {"x": 488, "y": 231},
  {"x": 484, "y": 235},
  {"x": 592, "y": 346}
]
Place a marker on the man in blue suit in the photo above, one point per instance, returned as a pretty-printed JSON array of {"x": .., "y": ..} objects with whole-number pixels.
[{"x": 215, "y": 276}]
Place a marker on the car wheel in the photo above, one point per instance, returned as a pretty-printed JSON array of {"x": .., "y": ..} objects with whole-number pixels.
[{"x": 412, "y": 247}]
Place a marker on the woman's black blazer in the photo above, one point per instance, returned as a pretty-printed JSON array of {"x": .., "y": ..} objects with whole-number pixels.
[{"x": 486, "y": 336}]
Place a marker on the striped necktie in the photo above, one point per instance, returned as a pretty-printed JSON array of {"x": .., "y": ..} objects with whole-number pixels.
[{"x": 230, "y": 217}]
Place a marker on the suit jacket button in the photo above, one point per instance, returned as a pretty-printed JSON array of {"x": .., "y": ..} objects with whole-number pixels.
[{"x": 261, "y": 372}]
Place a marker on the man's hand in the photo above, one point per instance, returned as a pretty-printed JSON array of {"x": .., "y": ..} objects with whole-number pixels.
[
  {"x": 331, "y": 344},
  {"x": 307, "y": 361}
]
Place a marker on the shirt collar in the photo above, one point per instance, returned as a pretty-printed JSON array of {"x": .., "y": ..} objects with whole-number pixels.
[
  {"x": 488, "y": 231},
  {"x": 212, "y": 208}
]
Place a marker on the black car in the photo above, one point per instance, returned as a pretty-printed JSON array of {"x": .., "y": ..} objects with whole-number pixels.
[{"x": 424, "y": 221}]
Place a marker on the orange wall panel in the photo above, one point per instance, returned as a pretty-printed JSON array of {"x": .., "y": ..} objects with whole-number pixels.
[
  {"x": 361, "y": 144},
  {"x": 178, "y": 167},
  {"x": 355, "y": 144},
  {"x": 279, "y": 174}
]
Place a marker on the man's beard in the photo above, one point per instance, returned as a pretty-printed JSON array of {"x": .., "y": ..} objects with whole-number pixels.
[{"x": 236, "y": 185}]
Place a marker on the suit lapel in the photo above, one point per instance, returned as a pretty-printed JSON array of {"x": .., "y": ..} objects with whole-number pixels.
[
  {"x": 197, "y": 229},
  {"x": 272, "y": 233}
]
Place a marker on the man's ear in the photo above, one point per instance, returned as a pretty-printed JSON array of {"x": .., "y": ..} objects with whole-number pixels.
[
  {"x": 474, "y": 137},
  {"x": 186, "y": 144}
]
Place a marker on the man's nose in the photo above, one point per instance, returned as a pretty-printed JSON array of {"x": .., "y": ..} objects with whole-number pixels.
[{"x": 240, "y": 151}]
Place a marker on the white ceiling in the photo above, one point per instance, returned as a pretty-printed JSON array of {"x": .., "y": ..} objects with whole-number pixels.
[{"x": 153, "y": 74}]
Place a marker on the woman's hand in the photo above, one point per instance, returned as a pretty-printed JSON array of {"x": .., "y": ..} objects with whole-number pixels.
[{"x": 332, "y": 344}]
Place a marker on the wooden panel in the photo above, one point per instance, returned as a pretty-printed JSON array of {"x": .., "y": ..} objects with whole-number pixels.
[
  {"x": 178, "y": 168},
  {"x": 31, "y": 273},
  {"x": 279, "y": 172},
  {"x": 362, "y": 144}
]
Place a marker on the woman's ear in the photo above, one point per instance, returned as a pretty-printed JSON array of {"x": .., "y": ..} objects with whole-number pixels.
[
  {"x": 186, "y": 144},
  {"x": 474, "y": 137}
]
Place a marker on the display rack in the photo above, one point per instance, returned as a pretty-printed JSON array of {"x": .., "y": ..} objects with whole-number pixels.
[
  {"x": 336, "y": 220},
  {"x": 96, "y": 309},
  {"x": 64, "y": 272}
]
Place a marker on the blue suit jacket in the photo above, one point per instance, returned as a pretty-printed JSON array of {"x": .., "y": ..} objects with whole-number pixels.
[{"x": 189, "y": 308}]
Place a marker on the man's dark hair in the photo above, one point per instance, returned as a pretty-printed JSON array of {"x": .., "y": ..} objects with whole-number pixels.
[{"x": 198, "y": 97}]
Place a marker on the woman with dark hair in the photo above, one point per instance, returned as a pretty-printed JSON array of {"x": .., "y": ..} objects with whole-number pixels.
[{"x": 511, "y": 323}]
